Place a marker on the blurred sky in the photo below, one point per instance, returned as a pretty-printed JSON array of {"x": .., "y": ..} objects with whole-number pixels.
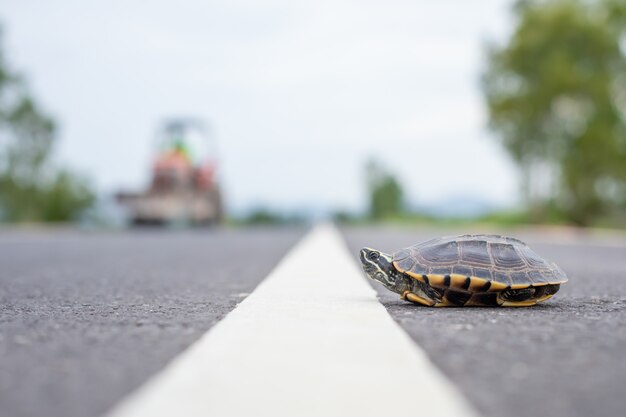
[{"x": 299, "y": 93}]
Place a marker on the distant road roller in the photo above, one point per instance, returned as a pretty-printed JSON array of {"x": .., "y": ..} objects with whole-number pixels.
[{"x": 184, "y": 189}]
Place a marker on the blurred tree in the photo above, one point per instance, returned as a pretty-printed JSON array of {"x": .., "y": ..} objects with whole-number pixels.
[
  {"x": 556, "y": 95},
  {"x": 31, "y": 188},
  {"x": 267, "y": 217},
  {"x": 263, "y": 216},
  {"x": 385, "y": 192}
]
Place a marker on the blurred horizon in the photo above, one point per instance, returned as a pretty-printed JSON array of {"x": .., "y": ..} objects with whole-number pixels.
[{"x": 298, "y": 96}]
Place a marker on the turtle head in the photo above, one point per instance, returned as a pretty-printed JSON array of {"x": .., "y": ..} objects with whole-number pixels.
[{"x": 379, "y": 267}]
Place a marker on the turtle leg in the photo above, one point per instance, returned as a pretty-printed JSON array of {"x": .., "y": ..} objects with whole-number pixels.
[
  {"x": 545, "y": 292},
  {"x": 408, "y": 295},
  {"x": 518, "y": 298},
  {"x": 527, "y": 296},
  {"x": 422, "y": 293}
]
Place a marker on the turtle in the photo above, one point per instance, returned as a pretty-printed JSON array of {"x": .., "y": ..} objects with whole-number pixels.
[{"x": 466, "y": 270}]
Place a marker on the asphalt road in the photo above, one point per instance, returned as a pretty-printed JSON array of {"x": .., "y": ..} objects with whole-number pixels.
[
  {"x": 86, "y": 318},
  {"x": 561, "y": 358}
]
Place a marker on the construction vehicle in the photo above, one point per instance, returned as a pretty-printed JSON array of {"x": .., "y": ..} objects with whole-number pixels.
[{"x": 184, "y": 188}]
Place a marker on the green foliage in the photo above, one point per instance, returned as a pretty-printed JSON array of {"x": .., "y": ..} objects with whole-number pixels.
[
  {"x": 385, "y": 192},
  {"x": 31, "y": 188},
  {"x": 557, "y": 97},
  {"x": 266, "y": 217},
  {"x": 263, "y": 217}
]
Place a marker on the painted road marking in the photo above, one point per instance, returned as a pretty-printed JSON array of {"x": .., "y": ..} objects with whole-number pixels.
[{"x": 311, "y": 340}]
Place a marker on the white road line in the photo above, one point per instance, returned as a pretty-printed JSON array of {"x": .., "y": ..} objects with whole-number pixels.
[{"x": 311, "y": 340}]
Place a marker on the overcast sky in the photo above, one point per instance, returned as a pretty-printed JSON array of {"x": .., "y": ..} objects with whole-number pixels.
[{"x": 299, "y": 93}]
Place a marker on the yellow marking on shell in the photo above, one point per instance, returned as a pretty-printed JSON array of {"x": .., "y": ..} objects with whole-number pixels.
[
  {"x": 536, "y": 284},
  {"x": 476, "y": 284},
  {"x": 540, "y": 284},
  {"x": 544, "y": 298},
  {"x": 395, "y": 265},
  {"x": 520, "y": 286},
  {"x": 436, "y": 280},
  {"x": 457, "y": 281},
  {"x": 526, "y": 303},
  {"x": 497, "y": 286},
  {"x": 420, "y": 278},
  {"x": 417, "y": 299}
]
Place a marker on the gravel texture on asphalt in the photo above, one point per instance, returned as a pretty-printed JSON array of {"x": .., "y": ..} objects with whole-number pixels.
[
  {"x": 87, "y": 317},
  {"x": 564, "y": 357}
]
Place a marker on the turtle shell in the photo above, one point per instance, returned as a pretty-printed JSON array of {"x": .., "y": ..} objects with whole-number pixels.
[{"x": 477, "y": 263}]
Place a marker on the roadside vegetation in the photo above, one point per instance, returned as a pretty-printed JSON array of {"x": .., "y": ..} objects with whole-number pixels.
[
  {"x": 263, "y": 216},
  {"x": 556, "y": 94},
  {"x": 556, "y": 98},
  {"x": 33, "y": 188}
]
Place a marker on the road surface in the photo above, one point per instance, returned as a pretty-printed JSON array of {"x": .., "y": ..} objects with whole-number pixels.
[
  {"x": 85, "y": 319},
  {"x": 560, "y": 358}
]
